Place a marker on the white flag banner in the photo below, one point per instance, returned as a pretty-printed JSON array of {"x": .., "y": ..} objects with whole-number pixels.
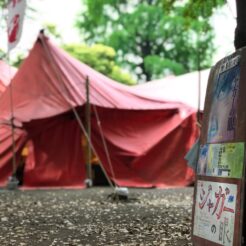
[{"x": 16, "y": 13}]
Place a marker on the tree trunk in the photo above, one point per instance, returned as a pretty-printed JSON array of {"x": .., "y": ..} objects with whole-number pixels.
[
  {"x": 240, "y": 32},
  {"x": 146, "y": 51}
]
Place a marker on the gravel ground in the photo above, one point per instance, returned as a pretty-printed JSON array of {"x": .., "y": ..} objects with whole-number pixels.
[{"x": 90, "y": 217}]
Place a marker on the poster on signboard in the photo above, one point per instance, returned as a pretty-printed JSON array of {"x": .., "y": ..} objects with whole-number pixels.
[
  {"x": 214, "y": 215},
  {"x": 221, "y": 160},
  {"x": 222, "y": 116}
]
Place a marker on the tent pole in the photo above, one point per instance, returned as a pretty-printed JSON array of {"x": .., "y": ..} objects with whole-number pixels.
[
  {"x": 88, "y": 130},
  {"x": 198, "y": 113},
  {"x": 12, "y": 183}
]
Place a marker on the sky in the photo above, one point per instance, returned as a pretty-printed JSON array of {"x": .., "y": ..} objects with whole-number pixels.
[
  {"x": 63, "y": 14},
  {"x": 224, "y": 22}
]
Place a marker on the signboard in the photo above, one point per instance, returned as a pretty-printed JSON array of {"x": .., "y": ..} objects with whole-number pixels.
[
  {"x": 220, "y": 182},
  {"x": 16, "y": 13},
  {"x": 215, "y": 211},
  {"x": 221, "y": 160}
]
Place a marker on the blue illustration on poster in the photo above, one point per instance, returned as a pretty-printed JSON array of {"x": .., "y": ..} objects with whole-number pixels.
[{"x": 222, "y": 118}]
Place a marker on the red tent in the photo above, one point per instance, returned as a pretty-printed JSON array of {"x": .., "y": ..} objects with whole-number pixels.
[{"x": 146, "y": 138}]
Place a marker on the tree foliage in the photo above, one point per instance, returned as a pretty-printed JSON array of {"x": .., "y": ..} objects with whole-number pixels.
[
  {"x": 152, "y": 37},
  {"x": 2, "y": 3},
  {"x": 51, "y": 29},
  {"x": 195, "y": 8},
  {"x": 102, "y": 59},
  {"x": 99, "y": 57}
]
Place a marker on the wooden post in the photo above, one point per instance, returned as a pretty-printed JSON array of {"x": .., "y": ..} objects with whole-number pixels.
[
  {"x": 240, "y": 32},
  {"x": 88, "y": 130}
]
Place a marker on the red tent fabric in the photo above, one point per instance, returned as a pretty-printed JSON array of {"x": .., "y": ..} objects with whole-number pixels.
[
  {"x": 146, "y": 148},
  {"x": 147, "y": 138},
  {"x": 56, "y": 155},
  {"x": 2, "y": 88},
  {"x": 6, "y": 151}
]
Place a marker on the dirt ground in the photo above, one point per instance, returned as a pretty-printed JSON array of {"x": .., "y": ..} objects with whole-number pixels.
[{"x": 89, "y": 217}]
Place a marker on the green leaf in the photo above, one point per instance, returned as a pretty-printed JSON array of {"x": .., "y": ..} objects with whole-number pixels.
[{"x": 101, "y": 58}]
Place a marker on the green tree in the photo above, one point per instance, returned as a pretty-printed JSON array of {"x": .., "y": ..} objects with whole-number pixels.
[
  {"x": 51, "y": 29},
  {"x": 2, "y": 54},
  {"x": 2, "y": 3},
  {"x": 16, "y": 62},
  {"x": 152, "y": 37},
  {"x": 102, "y": 59},
  {"x": 99, "y": 57}
]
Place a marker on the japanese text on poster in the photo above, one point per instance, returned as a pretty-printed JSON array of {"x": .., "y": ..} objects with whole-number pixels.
[{"x": 215, "y": 208}]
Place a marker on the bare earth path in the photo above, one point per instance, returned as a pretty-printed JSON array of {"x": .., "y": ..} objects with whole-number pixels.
[{"x": 88, "y": 217}]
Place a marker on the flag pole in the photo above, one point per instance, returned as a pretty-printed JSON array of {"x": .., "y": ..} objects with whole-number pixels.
[
  {"x": 12, "y": 182},
  {"x": 16, "y": 12}
]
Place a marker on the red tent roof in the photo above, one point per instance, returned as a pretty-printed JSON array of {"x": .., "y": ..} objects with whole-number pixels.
[{"x": 57, "y": 82}]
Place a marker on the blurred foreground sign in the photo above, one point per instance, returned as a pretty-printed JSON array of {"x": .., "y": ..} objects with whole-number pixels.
[
  {"x": 16, "y": 13},
  {"x": 219, "y": 187}
]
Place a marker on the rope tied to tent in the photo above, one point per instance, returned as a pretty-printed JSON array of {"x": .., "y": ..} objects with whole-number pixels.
[
  {"x": 104, "y": 143},
  {"x": 90, "y": 143}
]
